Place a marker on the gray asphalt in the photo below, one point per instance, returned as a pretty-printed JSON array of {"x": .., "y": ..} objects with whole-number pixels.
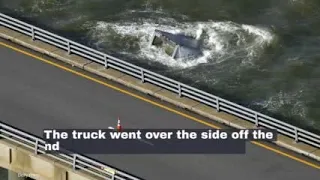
[{"x": 35, "y": 95}]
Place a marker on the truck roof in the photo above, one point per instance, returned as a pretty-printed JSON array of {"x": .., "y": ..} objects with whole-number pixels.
[{"x": 180, "y": 39}]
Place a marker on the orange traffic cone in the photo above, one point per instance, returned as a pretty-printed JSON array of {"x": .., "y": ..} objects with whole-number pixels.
[{"x": 119, "y": 128}]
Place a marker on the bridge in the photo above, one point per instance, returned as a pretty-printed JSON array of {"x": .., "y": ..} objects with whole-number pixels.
[{"x": 38, "y": 91}]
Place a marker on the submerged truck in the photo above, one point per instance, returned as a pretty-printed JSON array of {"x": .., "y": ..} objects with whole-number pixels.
[{"x": 176, "y": 45}]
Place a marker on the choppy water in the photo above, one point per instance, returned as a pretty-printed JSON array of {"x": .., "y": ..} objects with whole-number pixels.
[{"x": 262, "y": 54}]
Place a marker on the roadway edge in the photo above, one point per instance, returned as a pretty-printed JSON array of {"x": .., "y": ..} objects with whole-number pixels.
[{"x": 155, "y": 91}]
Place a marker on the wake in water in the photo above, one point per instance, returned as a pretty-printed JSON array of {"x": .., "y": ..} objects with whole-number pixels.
[{"x": 221, "y": 40}]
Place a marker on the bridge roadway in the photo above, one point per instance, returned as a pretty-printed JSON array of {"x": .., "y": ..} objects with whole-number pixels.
[{"x": 35, "y": 95}]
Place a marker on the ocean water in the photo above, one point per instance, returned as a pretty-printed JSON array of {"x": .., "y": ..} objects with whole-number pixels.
[{"x": 261, "y": 54}]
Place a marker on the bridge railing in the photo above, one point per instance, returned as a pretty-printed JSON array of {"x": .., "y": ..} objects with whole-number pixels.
[
  {"x": 147, "y": 76},
  {"x": 78, "y": 162}
]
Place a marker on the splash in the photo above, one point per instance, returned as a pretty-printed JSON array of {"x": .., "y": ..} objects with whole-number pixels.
[{"x": 220, "y": 39}]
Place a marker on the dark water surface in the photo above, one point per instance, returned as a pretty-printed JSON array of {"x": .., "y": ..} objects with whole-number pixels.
[{"x": 262, "y": 54}]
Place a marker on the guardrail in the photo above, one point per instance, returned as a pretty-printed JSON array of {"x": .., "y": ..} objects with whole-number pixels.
[
  {"x": 147, "y": 76},
  {"x": 78, "y": 162}
]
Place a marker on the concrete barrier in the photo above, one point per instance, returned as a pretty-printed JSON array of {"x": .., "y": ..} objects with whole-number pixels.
[
  {"x": 150, "y": 89},
  {"x": 24, "y": 162}
]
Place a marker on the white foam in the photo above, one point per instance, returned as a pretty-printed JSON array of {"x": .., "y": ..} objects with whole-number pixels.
[
  {"x": 264, "y": 36},
  {"x": 291, "y": 99},
  {"x": 217, "y": 45}
]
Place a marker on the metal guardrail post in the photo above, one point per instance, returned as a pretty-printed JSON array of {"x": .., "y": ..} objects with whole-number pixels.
[
  {"x": 179, "y": 87},
  {"x": 105, "y": 62},
  {"x": 32, "y": 33},
  {"x": 74, "y": 162},
  {"x": 142, "y": 76},
  {"x": 69, "y": 50},
  {"x": 36, "y": 147},
  {"x": 218, "y": 105},
  {"x": 257, "y": 120},
  {"x": 296, "y": 137}
]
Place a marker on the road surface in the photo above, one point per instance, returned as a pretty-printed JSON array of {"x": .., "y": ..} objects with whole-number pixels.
[{"x": 35, "y": 95}]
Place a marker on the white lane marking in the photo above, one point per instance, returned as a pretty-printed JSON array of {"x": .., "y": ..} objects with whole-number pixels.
[
  {"x": 142, "y": 140},
  {"x": 147, "y": 142}
]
